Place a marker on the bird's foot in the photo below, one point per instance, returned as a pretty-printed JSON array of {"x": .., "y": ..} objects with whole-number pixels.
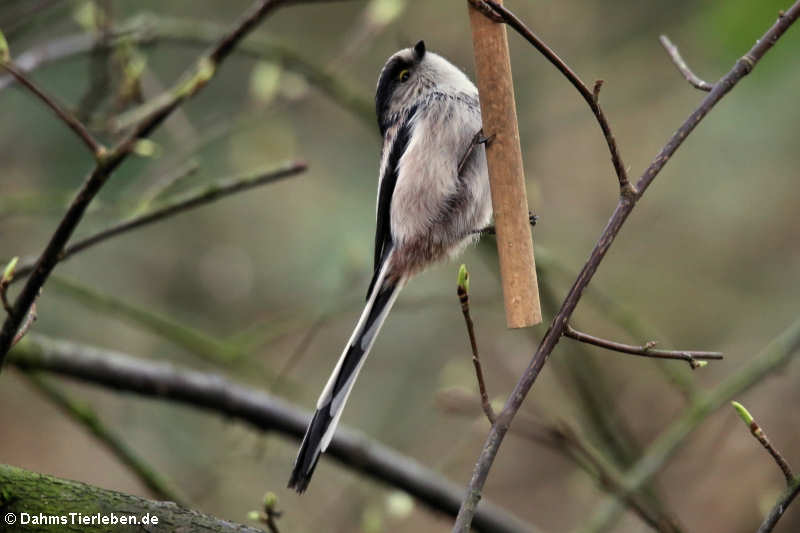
[{"x": 490, "y": 230}]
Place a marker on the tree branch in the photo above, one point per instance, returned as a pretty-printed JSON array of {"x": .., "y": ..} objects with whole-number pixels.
[
  {"x": 147, "y": 29},
  {"x": 563, "y": 439},
  {"x": 28, "y": 492},
  {"x": 86, "y": 417},
  {"x": 761, "y": 437},
  {"x": 185, "y": 202},
  {"x": 624, "y": 207},
  {"x": 682, "y": 67},
  {"x": 214, "y": 393},
  {"x": 190, "y": 83},
  {"x": 97, "y": 149},
  {"x": 610, "y": 478},
  {"x": 773, "y": 357},
  {"x": 591, "y": 96},
  {"x": 647, "y": 350},
  {"x": 463, "y": 296},
  {"x": 780, "y": 507}
]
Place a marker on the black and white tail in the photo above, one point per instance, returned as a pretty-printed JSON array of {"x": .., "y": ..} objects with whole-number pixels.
[{"x": 331, "y": 402}]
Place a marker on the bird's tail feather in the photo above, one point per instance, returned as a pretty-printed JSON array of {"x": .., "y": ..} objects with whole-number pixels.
[{"x": 331, "y": 402}]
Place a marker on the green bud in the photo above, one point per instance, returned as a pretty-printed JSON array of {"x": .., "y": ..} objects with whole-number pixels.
[
  {"x": 146, "y": 148},
  {"x": 743, "y": 413},
  {"x": 270, "y": 500},
  {"x": 5, "y": 53},
  {"x": 463, "y": 278},
  {"x": 255, "y": 516},
  {"x": 8, "y": 273}
]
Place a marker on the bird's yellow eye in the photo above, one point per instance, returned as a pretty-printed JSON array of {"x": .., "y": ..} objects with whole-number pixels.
[{"x": 404, "y": 75}]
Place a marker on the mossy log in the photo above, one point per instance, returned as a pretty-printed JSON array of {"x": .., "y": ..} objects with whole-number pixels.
[{"x": 32, "y": 502}]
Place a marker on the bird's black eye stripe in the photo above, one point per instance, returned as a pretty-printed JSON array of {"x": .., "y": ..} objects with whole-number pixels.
[{"x": 386, "y": 85}]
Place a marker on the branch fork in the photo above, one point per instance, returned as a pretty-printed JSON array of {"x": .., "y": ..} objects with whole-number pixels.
[{"x": 627, "y": 201}]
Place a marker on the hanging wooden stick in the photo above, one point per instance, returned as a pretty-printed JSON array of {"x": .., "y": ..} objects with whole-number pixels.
[{"x": 507, "y": 178}]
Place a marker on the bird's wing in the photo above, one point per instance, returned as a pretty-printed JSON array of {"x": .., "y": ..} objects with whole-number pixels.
[{"x": 383, "y": 230}]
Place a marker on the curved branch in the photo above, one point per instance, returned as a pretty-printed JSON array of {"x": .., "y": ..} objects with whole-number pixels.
[
  {"x": 66, "y": 117},
  {"x": 590, "y": 95},
  {"x": 26, "y": 492},
  {"x": 780, "y": 507},
  {"x": 682, "y": 67},
  {"x": 624, "y": 208},
  {"x": 215, "y": 393}
]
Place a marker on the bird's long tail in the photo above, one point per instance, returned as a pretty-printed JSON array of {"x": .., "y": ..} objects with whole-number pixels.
[{"x": 331, "y": 402}]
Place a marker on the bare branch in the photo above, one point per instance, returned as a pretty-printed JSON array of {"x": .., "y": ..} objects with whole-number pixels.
[
  {"x": 97, "y": 149},
  {"x": 775, "y": 356},
  {"x": 25, "y": 326},
  {"x": 463, "y": 296},
  {"x": 761, "y": 437},
  {"x": 185, "y": 202},
  {"x": 624, "y": 207},
  {"x": 189, "y": 84},
  {"x": 151, "y": 29},
  {"x": 608, "y": 476},
  {"x": 780, "y": 507},
  {"x": 647, "y": 350},
  {"x": 626, "y": 188},
  {"x": 563, "y": 439},
  {"x": 683, "y": 68},
  {"x": 214, "y": 393}
]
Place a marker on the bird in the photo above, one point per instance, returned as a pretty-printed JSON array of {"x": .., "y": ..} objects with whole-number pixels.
[{"x": 433, "y": 201}]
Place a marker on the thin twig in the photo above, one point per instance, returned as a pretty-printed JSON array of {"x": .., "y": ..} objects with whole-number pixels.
[
  {"x": 562, "y": 439},
  {"x": 85, "y": 416},
  {"x": 693, "y": 357},
  {"x": 624, "y": 207},
  {"x": 4, "y": 297},
  {"x": 185, "y": 202},
  {"x": 189, "y": 84},
  {"x": 148, "y": 30},
  {"x": 780, "y": 460},
  {"x": 202, "y": 344},
  {"x": 97, "y": 149},
  {"x": 780, "y": 507},
  {"x": 609, "y": 477},
  {"x": 463, "y": 296},
  {"x": 682, "y": 67},
  {"x": 213, "y": 393},
  {"x": 626, "y": 187},
  {"x": 761, "y": 437},
  {"x": 775, "y": 356},
  {"x": 30, "y": 318}
]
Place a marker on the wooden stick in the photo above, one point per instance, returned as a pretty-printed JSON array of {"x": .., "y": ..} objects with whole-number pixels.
[{"x": 507, "y": 178}]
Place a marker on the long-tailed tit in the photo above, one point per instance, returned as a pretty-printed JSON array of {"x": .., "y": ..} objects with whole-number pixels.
[{"x": 431, "y": 205}]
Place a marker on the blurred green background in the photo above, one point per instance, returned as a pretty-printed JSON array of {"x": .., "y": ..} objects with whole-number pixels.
[{"x": 709, "y": 260}]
